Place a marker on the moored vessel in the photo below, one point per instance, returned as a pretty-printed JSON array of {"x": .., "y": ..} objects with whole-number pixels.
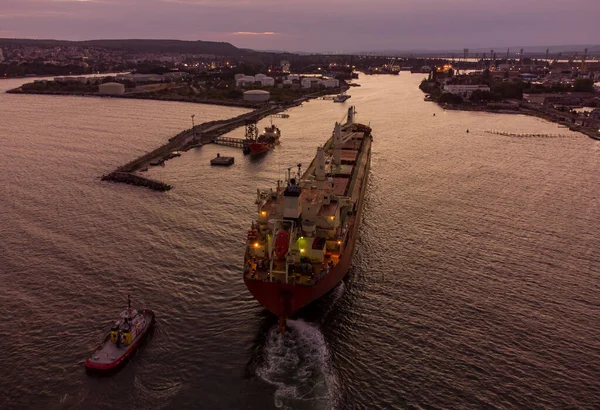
[
  {"x": 301, "y": 245},
  {"x": 125, "y": 336},
  {"x": 259, "y": 144},
  {"x": 340, "y": 98}
]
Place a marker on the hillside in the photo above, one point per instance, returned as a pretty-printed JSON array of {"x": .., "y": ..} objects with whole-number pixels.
[{"x": 137, "y": 46}]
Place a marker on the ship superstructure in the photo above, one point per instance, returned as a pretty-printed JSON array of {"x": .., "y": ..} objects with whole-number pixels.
[{"x": 302, "y": 242}]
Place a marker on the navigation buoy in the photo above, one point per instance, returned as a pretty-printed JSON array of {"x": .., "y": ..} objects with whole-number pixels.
[
  {"x": 467, "y": 130},
  {"x": 434, "y": 114}
]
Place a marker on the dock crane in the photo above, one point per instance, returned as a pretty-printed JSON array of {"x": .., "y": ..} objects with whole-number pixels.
[{"x": 583, "y": 59}]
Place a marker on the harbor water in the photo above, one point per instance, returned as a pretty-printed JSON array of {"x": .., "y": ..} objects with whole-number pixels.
[{"x": 475, "y": 282}]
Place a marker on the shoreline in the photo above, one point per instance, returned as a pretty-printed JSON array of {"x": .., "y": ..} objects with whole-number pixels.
[
  {"x": 590, "y": 132},
  {"x": 140, "y": 96},
  {"x": 195, "y": 137},
  {"x": 180, "y": 98}
]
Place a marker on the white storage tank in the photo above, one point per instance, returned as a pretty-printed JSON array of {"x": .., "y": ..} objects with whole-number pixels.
[
  {"x": 257, "y": 95},
  {"x": 259, "y": 76},
  {"x": 267, "y": 81},
  {"x": 238, "y": 76},
  {"x": 244, "y": 81},
  {"x": 307, "y": 82},
  {"x": 111, "y": 88}
]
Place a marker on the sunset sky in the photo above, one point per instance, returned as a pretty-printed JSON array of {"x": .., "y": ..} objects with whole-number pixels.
[{"x": 311, "y": 25}]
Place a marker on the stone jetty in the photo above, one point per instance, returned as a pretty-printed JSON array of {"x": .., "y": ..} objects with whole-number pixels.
[{"x": 199, "y": 135}]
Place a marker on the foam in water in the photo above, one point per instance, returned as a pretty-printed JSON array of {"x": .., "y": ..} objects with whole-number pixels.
[{"x": 297, "y": 364}]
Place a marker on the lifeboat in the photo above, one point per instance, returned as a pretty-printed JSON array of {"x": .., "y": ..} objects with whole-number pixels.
[
  {"x": 125, "y": 336},
  {"x": 282, "y": 243}
]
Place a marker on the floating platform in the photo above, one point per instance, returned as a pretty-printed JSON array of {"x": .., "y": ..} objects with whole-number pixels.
[{"x": 219, "y": 160}]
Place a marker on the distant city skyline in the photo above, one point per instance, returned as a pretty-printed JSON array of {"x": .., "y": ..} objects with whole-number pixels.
[{"x": 310, "y": 25}]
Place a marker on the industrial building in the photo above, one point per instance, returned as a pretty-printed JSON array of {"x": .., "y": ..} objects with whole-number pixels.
[
  {"x": 257, "y": 96},
  {"x": 111, "y": 88},
  {"x": 313, "y": 82},
  {"x": 249, "y": 81},
  {"x": 464, "y": 89}
]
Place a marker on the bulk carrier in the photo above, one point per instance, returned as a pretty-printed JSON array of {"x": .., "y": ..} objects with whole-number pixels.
[{"x": 301, "y": 245}]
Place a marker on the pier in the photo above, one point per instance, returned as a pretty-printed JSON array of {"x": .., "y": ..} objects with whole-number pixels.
[
  {"x": 230, "y": 142},
  {"x": 206, "y": 133}
]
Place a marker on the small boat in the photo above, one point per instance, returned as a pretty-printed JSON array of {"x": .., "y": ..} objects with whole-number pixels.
[
  {"x": 125, "y": 336},
  {"x": 341, "y": 97}
]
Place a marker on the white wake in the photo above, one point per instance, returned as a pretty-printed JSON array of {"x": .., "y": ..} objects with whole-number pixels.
[{"x": 297, "y": 364}]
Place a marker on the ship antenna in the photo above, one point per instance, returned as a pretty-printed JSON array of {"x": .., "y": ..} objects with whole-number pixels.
[
  {"x": 128, "y": 301},
  {"x": 299, "y": 171}
]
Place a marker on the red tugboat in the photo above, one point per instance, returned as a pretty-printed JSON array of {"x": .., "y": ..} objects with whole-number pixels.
[
  {"x": 301, "y": 245},
  {"x": 124, "y": 338},
  {"x": 259, "y": 144}
]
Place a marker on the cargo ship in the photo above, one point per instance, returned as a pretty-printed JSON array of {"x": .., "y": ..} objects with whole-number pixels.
[{"x": 301, "y": 244}]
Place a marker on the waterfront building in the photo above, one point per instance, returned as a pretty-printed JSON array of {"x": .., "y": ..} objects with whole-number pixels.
[
  {"x": 330, "y": 83},
  {"x": 249, "y": 81},
  {"x": 464, "y": 89}
]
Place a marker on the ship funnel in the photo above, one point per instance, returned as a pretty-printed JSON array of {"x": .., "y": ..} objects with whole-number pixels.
[
  {"x": 337, "y": 144},
  {"x": 320, "y": 165}
]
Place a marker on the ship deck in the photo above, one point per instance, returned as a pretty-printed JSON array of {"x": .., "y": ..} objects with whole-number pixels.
[
  {"x": 109, "y": 352},
  {"x": 347, "y": 181},
  {"x": 307, "y": 275}
]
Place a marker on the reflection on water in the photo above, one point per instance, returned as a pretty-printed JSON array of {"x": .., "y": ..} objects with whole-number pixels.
[{"x": 474, "y": 283}]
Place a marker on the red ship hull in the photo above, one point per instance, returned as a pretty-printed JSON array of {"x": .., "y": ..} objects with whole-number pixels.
[
  {"x": 91, "y": 366},
  {"x": 257, "y": 148},
  {"x": 285, "y": 299}
]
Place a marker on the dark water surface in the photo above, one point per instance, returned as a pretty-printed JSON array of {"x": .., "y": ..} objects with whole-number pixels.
[{"x": 475, "y": 284}]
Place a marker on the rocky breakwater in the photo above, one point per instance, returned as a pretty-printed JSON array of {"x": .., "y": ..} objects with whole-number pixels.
[{"x": 201, "y": 134}]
